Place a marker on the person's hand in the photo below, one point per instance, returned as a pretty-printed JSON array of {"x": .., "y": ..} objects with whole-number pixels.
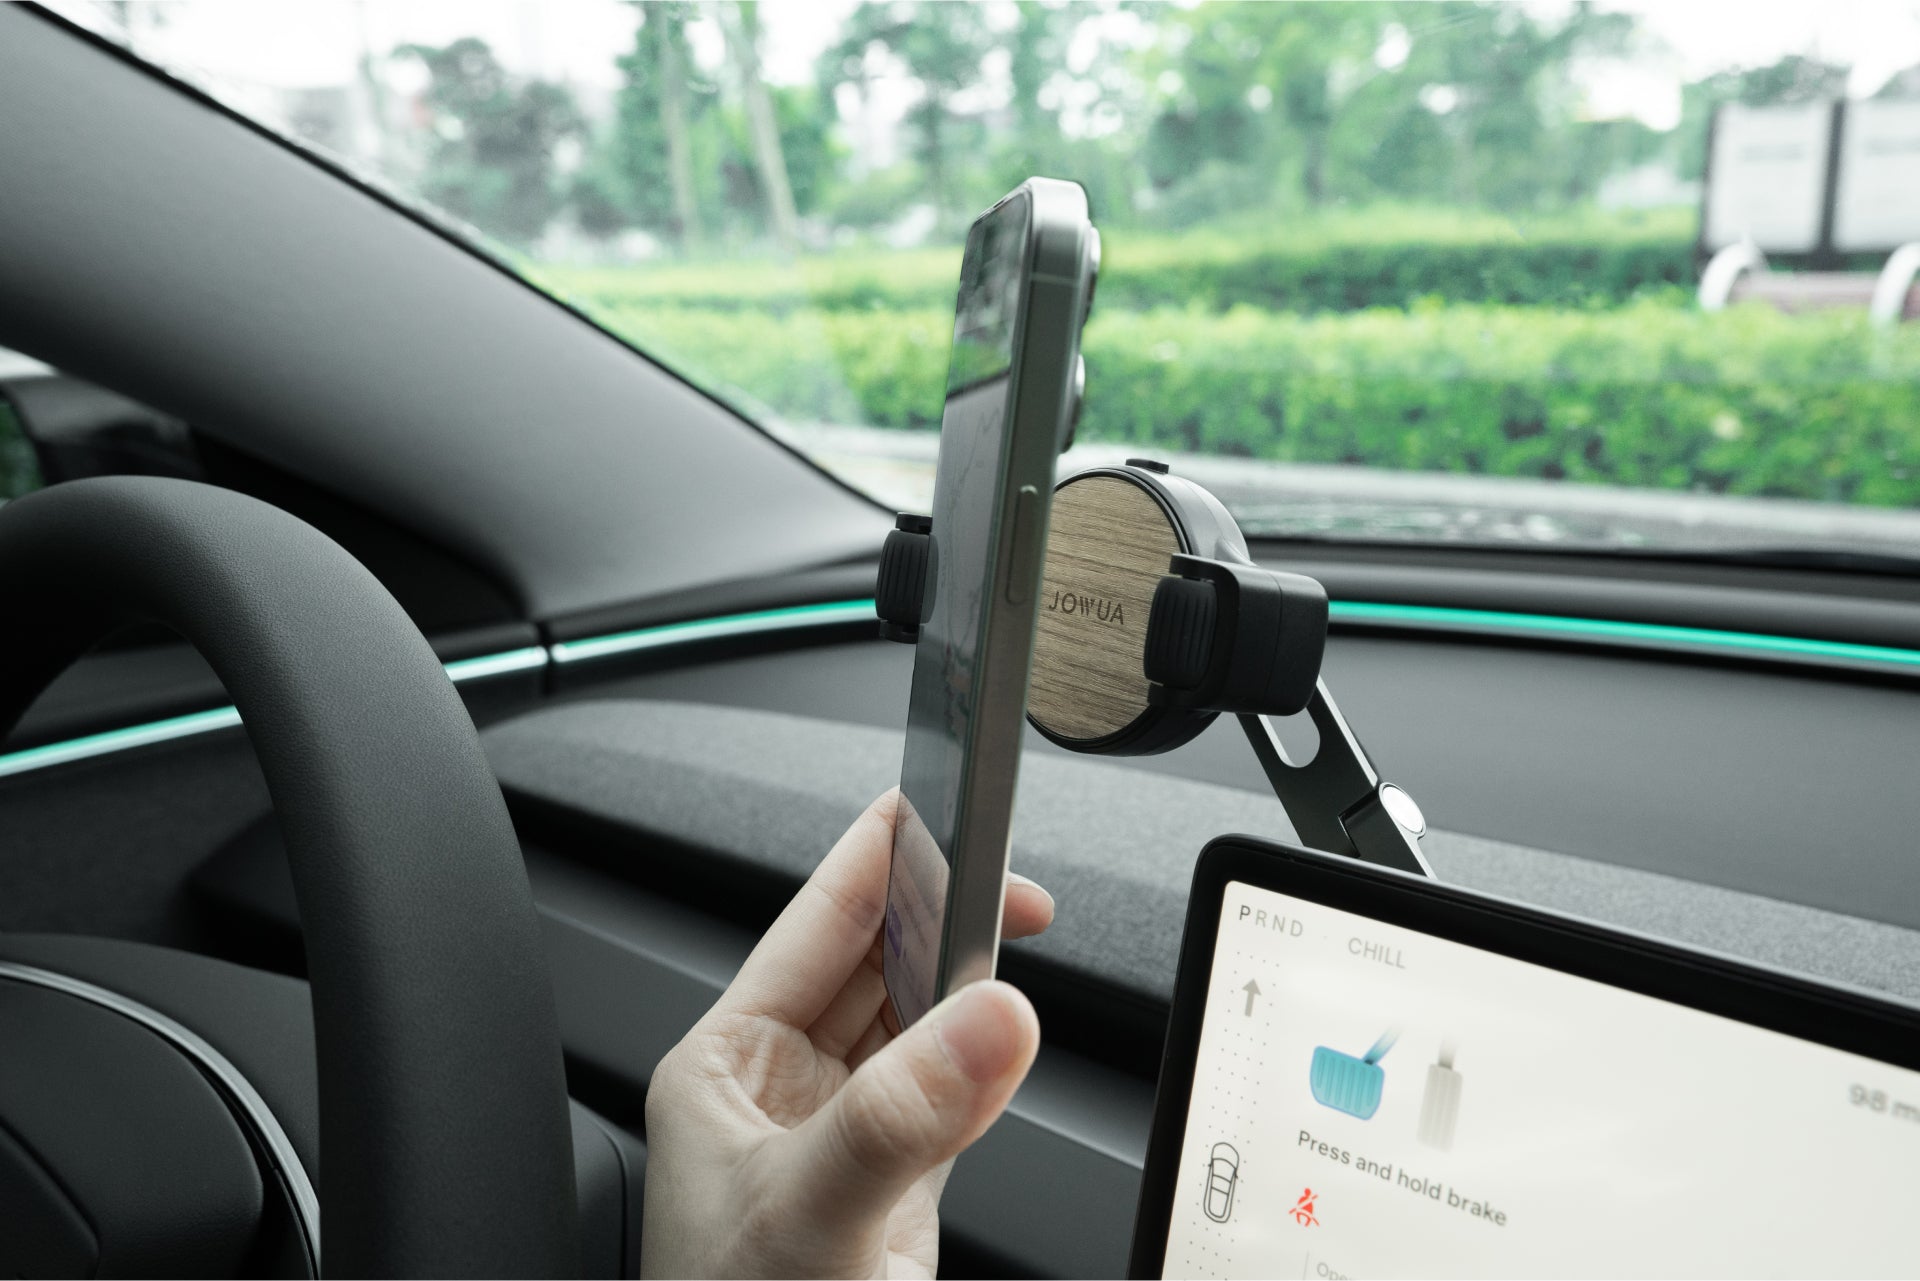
[{"x": 796, "y": 1131}]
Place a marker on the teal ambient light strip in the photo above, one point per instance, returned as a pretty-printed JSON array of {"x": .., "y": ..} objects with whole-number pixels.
[
  {"x": 1608, "y": 630},
  {"x": 1433, "y": 617},
  {"x": 529, "y": 658},
  {"x": 700, "y": 629},
  {"x": 117, "y": 740},
  {"x": 514, "y": 660},
  {"x": 1429, "y": 617}
]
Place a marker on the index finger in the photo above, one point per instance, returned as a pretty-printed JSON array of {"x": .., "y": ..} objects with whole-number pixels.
[
  {"x": 824, "y": 934},
  {"x": 1028, "y": 909}
]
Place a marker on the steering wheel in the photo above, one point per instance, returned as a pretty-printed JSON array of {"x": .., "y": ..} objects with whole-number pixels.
[{"x": 442, "y": 1097}]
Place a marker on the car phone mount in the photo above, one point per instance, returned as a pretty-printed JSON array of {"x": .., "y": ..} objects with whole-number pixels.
[{"x": 1153, "y": 621}]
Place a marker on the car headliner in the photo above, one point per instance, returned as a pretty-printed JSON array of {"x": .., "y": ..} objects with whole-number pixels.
[{"x": 155, "y": 243}]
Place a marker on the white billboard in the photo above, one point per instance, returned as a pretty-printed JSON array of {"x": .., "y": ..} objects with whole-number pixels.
[
  {"x": 1767, "y": 177},
  {"x": 1877, "y": 206}
]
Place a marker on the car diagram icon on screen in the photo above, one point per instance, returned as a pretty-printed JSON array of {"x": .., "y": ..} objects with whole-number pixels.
[
  {"x": 1348, "y": 1084},
  {"x": 1223, "y": 1177}
]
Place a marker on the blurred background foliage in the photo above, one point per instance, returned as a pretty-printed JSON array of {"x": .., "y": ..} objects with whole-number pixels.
[
  {"x": 1397, "y": 233},
  {"x": 1172, "y": 117},
  {"x": 1374, "y": 234}
]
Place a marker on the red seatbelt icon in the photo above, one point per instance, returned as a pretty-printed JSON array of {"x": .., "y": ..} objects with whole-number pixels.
[{"x": 1303, "y": 1210}]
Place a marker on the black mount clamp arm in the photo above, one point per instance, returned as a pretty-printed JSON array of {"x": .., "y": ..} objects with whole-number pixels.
[
  {"x": 1230, "y": 636},
  {"x": 901, "y": 589}
]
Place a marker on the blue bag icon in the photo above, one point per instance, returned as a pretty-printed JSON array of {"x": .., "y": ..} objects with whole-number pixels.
[{"x": 1347, "y": 1084}]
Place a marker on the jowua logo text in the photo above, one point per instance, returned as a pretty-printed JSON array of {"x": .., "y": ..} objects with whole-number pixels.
[{"x": 1100, "y": 609}]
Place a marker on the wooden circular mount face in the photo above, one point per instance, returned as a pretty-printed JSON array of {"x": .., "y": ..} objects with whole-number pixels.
[{"x": 1107, "y": 551}]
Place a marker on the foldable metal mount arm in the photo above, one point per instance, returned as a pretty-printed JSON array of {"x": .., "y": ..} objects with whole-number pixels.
[{"x": 1337, "y": 800}]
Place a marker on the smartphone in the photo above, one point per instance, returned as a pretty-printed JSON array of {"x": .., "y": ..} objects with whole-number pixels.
[{"x": 1013, "y": 387}]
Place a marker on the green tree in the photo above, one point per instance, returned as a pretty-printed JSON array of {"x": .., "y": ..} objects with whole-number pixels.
[
  {"x": 1036, "y": 50},
  {"x": 804, "y": 117},
  {"x": 1258, "y": 87},
  {"x": 658, "y": 165},
  {"x": 742, "y": 26},
  {"x": 1503, "y": 71},
  {"x": 1291, "y": 102},
  {"x": 941, "y": 46},
  {"x": 1386, "y": 142},
  {"x": 657, "y": 89},
  {"x": 1591, "y": 150},
  {"x": 707, "y": 166},
  {"x": 492, "y": 160},
  {"x": 602, "y": 194}
]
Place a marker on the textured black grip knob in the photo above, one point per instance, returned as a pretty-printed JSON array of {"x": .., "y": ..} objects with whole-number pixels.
[
  {"x": 1180, "y": 632},
  {"x": 900, "y": 591}
]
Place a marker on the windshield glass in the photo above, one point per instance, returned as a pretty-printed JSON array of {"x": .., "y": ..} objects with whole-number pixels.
[{"x": 1617, "y": 274}]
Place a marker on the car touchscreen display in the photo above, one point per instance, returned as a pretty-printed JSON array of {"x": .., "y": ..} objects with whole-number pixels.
[
  {"x": 1368, "y": 1100},
  {"x": 941, "y": 705}
]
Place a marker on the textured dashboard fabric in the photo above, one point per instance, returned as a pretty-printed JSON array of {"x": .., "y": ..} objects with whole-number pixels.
[
  {"x": 1115, "y": 846},
  {"x": 144, "y": 819},
  {"x": 1726, "y": 775}
]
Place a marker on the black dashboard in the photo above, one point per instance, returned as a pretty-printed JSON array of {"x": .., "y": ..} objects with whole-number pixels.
[
  {"x": 674, "y": 781},
  {"x": 1783, "y": 784},
  {"x": 668, "y": 812}
]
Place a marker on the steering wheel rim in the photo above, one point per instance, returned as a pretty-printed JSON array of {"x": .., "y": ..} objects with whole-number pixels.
[{"x": 443, "y": 1109}]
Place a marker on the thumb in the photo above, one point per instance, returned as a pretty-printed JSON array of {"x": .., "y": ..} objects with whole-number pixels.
[{"x": 917, "y": 1103}]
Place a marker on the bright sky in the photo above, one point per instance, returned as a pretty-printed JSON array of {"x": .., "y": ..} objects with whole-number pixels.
[
  {"x": 1875, "y": 37},
  {"x": 300, "y": 43},
  {"x": 303, "y": 43}
]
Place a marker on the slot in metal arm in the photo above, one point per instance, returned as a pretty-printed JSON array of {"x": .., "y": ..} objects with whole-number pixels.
[{"x": 1337, "y": 800}]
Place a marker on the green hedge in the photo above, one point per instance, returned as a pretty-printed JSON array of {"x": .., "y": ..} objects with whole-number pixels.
[
  {"x": 1376, "y": 260},
  {"x": 1747, "y": 401}
]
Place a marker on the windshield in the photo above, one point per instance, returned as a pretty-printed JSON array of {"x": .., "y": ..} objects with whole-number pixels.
[{"x": 1617, "y": 275}]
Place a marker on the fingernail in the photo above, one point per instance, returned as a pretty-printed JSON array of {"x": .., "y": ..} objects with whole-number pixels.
[
  {"x": 981, "y": 1031},
  {"x": 1015, "y": 877}
]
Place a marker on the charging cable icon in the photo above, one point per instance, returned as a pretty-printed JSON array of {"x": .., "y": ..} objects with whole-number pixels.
[{"x": 1350, "y": 1085}]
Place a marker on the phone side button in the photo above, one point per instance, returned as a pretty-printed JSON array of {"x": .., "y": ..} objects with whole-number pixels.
[{"x": 1022, "y": 561}]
